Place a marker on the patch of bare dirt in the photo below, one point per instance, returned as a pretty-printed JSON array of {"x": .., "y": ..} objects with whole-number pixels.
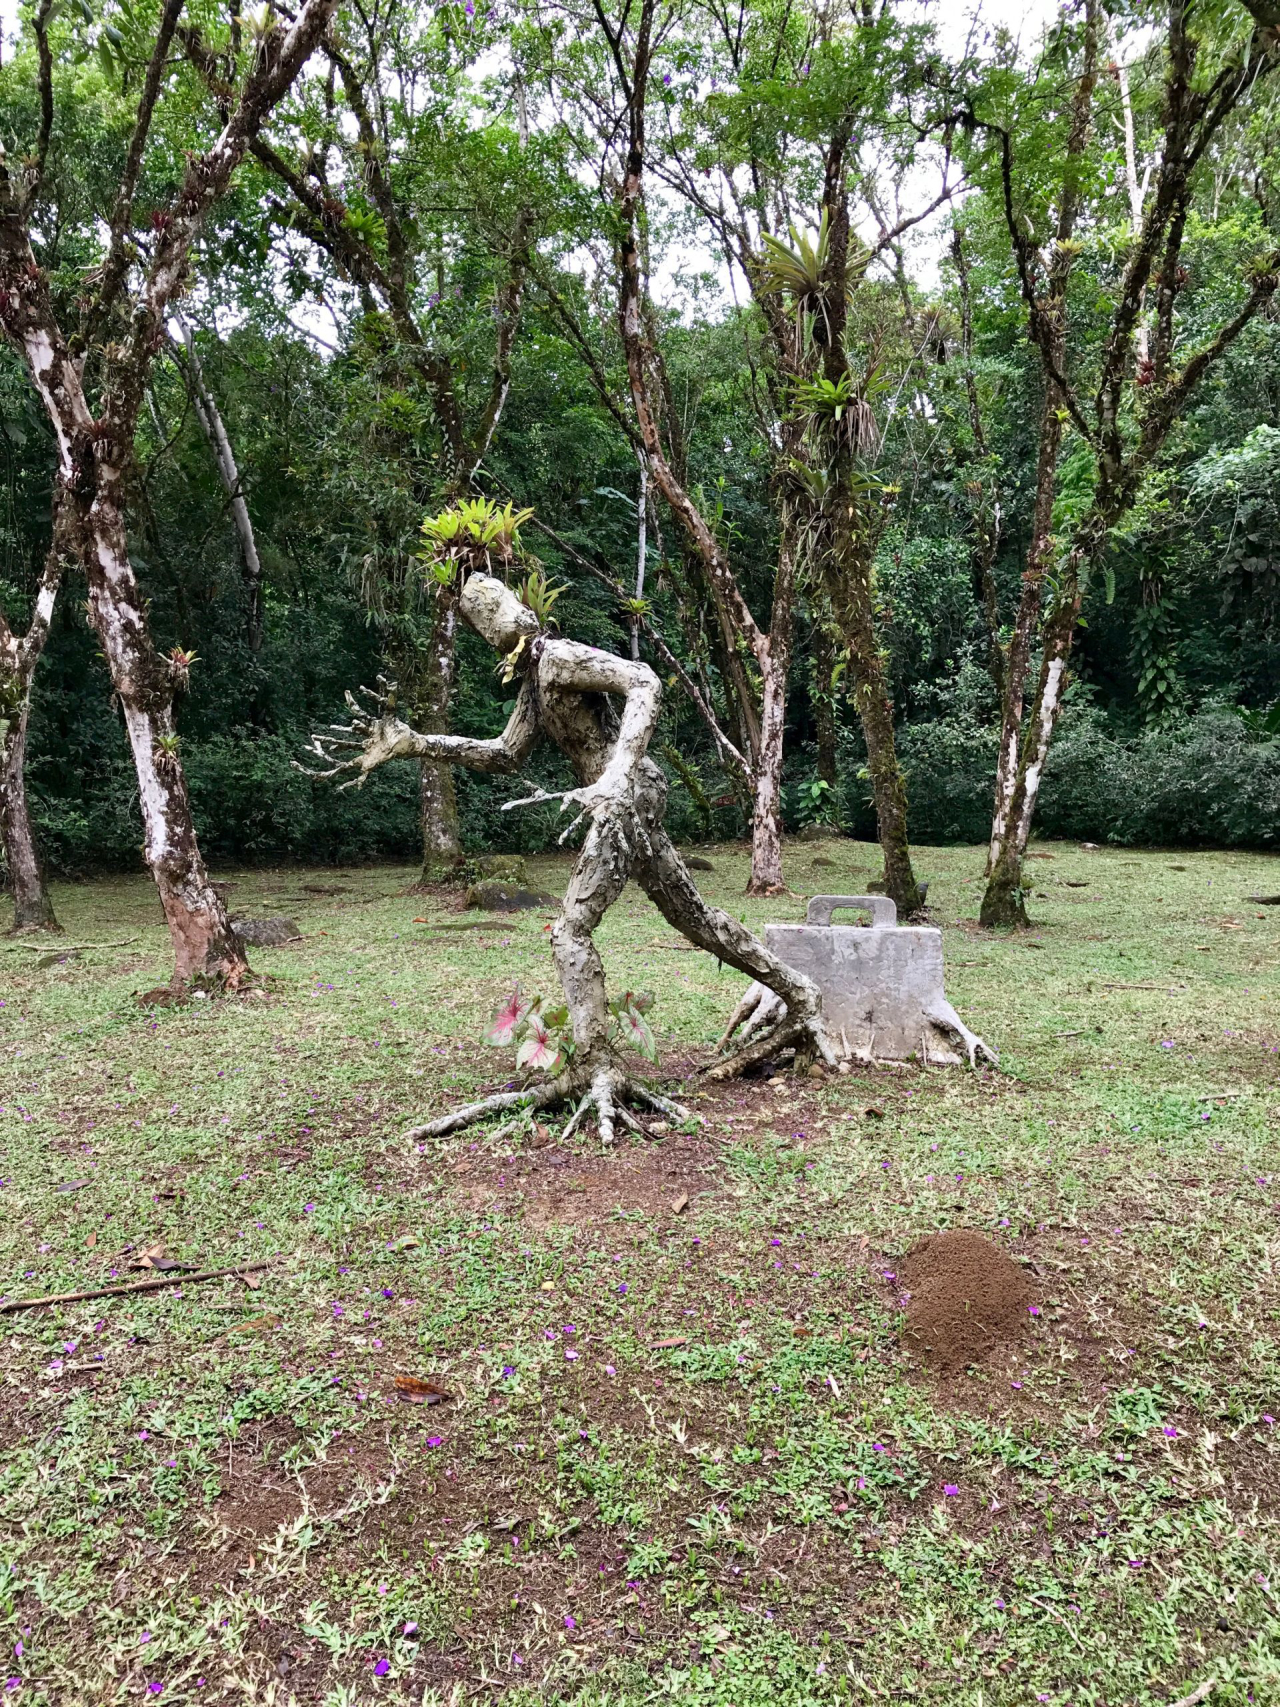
[{"x": 555, "y": 1185}]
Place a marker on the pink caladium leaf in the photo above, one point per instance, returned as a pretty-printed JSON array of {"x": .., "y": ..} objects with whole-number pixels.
[
  {"x": 635, "y": 1031},
  {"x": 556, "y": 1019},
  {"x": 539, "y": 1049},
  {"x": 643, "y": 1000},
  {"x": 508, "y": 1019}
]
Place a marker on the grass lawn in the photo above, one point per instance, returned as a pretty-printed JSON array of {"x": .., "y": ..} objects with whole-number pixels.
[{"x": 215, "y": 1494}]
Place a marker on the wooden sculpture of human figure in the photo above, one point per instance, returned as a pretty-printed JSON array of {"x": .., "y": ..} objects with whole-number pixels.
[{"x": 571, "y": 694}]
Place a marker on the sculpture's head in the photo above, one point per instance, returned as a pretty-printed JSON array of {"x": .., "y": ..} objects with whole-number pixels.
[{"x": 496, "y": 614}]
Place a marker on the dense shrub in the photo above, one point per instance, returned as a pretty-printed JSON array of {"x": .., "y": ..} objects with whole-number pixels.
[{"x": 1198, "y": 781}]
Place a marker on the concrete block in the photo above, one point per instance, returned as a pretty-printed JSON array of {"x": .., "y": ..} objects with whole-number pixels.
[{"x": 882, "y": 985}]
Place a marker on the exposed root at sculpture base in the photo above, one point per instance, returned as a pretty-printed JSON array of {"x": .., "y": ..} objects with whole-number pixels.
[
  {"x": 605, "y": 1091},
  {"x": 761, "y": 1010},
  {"x": 797, "y": 1029}
]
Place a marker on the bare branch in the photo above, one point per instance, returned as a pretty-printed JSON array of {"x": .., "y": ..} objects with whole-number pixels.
[
  {"x": 45, "y": 57},
  {"x": 116, "y": 264}
]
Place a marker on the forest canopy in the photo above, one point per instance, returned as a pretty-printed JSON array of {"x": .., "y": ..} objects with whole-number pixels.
[{"x": 905, "y": 395}]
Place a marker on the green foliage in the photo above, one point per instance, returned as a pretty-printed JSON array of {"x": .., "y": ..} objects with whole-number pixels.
[{"x": 475, "y": 535}]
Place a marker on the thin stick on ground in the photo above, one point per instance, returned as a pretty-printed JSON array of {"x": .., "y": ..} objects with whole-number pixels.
[
  {"x": 1202, "y": 1692},
  {"x": 132, "y": 1286},
  {"x": 65, "y": 948}
]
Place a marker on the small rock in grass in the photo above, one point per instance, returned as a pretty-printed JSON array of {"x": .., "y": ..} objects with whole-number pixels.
[
  {"x": 695, "y": 862},
  {"x": 823, "y": 860},
  {"x": 507, "y": 868},
  {"x": 660, "y": 1128},
  {"x": 265, "y": 933},
  {"x": 492, "y": 895}
]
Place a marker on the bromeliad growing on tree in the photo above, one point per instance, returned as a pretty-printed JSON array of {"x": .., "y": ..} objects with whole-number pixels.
[{"x": 567, "y": 694}]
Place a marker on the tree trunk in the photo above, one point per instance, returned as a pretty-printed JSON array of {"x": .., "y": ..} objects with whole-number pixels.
[
  {"x": 1003, "y": 902},
  {"x": 32, "y": 908},
  {"x": 847, "y": 576},
  {"x": 642, "y": 553},
  {"x": 824, "y": 711},
  {"x": 774, "y": 658},
  {"x": 215, "y": 432},
  {"x": 203, "y": 943},
  {"x": 1017, "y": 662},
  {"x": 441, "y": 843},
  {"x": 766, "y": 816}
]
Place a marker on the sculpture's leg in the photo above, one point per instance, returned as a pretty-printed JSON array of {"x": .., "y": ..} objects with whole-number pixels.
[
  {"x": 672, "y": 890},
  {"x": 598, "y": 879},
  {"x": 594, "y": 1079}
]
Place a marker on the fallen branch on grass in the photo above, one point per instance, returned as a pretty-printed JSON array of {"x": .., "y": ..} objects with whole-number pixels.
[
  {"x": 49, "y": 946},
  {"x": 132, "y": 1286},
  {"x": 1201, "y": 1693}
]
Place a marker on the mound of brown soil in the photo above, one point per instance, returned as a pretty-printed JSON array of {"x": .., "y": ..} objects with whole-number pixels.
[{"x": 965, "y": 1298}]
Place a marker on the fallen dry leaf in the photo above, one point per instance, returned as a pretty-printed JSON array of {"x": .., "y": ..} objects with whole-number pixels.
[
  {"x": 665, "y": 1345},
  {"x": 420, "y": 1392},
  {"x": 255, "y": 1324},
  {"x": 681, "y": 1203},
  {"x": 421, "y": 921},
  {"x": 252, "y": 1281},
  {"x": 149, "y": 1258},
  {"x": 871, "y": 1112},
  {"x": 91, "y": 1241}
]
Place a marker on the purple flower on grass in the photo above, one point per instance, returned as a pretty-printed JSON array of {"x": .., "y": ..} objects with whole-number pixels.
[
  {"x": 949, "y": 1489},
  {"x": 382, "y": 1668}
]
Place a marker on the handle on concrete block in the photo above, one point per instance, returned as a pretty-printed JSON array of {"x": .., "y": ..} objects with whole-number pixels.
[{"x": 883, "y": 909}]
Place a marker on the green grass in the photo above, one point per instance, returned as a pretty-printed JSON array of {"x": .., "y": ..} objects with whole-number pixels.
[{"x": 216, "y": 1489}]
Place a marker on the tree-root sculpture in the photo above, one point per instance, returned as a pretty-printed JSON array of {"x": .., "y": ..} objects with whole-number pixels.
[{"x": 567, "y": 693}]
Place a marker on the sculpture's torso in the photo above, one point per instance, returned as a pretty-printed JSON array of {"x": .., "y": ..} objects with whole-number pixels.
[{"x": 584, "y": 726}]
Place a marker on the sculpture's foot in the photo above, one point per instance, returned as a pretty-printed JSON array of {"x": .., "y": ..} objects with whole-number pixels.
[
  {"x": 604, "y": 1092},
  {"x": 774, "y": 1025},
  {"x": 945, "y": 1017}
]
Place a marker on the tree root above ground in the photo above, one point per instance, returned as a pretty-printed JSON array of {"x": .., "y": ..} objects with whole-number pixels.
[{"x": 605, "y": 1088}]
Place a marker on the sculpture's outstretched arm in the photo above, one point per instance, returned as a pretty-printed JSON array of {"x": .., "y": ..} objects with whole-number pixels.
[
  {"x": 375, "y": 735},
  {"x": 585, "y": 670}
]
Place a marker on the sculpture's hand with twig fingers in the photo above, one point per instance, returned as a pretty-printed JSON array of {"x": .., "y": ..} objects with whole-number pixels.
[{"x": 374, "y": 735}]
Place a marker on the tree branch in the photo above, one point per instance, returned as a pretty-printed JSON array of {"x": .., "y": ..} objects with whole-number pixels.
[{"x": 117, "y": 262}]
